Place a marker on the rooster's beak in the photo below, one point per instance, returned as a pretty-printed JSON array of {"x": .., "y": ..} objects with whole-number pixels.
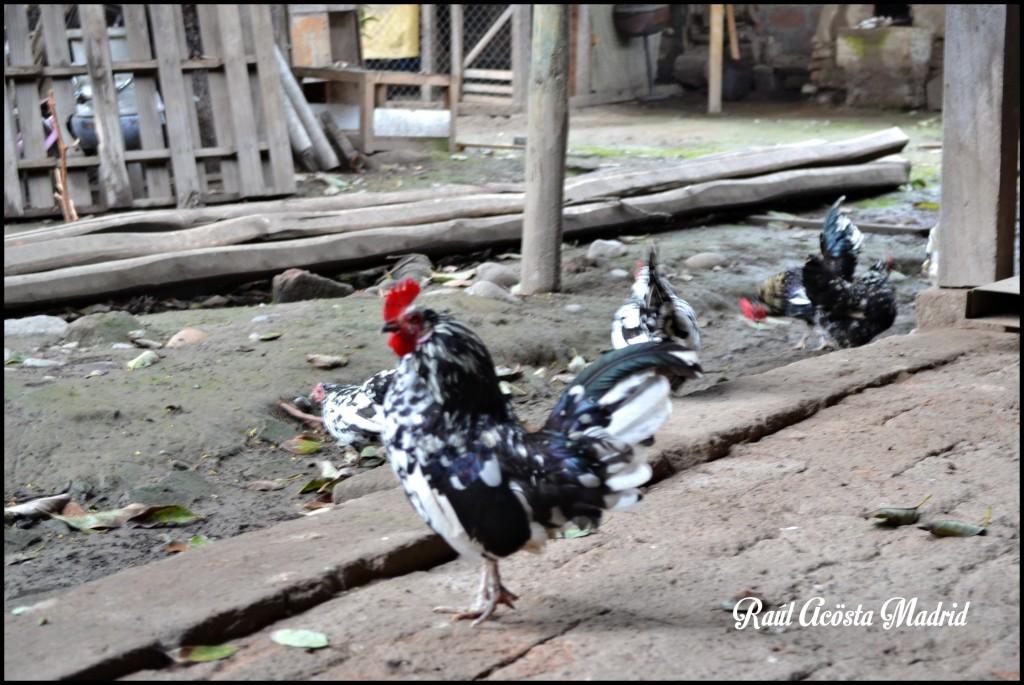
[{"x": 389, "y": 327}]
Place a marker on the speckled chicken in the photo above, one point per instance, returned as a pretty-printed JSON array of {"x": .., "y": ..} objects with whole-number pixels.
[
  {"x": 784, "y": 295},
  {"x": 480, "y": 479},
  {"x": 353, "y": 414},
  {"x": 653, "y": 312},
  {"x": 853, "y": 312}
]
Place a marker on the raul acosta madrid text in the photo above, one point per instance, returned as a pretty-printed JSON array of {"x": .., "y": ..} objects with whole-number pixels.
[{"x": 894, "y": 612}]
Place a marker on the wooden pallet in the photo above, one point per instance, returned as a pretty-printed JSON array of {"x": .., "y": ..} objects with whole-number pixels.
[{"x": 242, "y": 152}]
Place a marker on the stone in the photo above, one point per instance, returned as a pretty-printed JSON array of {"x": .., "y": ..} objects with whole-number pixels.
[{"x": 295, "y": 285}]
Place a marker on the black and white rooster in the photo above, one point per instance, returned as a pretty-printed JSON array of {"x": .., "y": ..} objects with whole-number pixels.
[
  {"x": 853, "y": 312},
  {"x": 482, "y": 481},
  {"x": 353, "y": 414},
  {"x": 655, "y": 313},
  {"x": 784, "y": 294}
]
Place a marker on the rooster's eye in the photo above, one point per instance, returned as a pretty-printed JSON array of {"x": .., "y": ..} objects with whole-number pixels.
[{"x": 416, "y": 318}]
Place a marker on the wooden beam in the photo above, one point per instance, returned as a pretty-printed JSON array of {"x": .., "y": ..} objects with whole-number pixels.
[{"x": 715, "y": 61}]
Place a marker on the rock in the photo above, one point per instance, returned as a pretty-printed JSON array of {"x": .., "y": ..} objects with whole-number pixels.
[
  {"x": 418, "y": 267},
  {"x": 605, "y": 249},
  {"x": 187, "y": 336},
  {"x": 35, "y": 330},
  {"x": 295, "y": 285},
  {"x": 492, "y": 291},
  {"x": 706, "y": 260},
  {"x": 112, "y": 326},
  {"x": 371, "y": 480},
  {"x": 497, "y": 273}
]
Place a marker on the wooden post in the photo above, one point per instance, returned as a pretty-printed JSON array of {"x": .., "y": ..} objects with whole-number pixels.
[
  {"x": 715, "y": 61},
  {"x": 980, "y": 144},
  {"x": 734, "y": 40},
  {"x": 547, "y": 137}
]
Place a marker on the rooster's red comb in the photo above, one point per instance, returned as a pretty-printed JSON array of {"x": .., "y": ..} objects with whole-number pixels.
[
  {"x": 748, "y": 308},
  {"x": 400, "y": 297}
]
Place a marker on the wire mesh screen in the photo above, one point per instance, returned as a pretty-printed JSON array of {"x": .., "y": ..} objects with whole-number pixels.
[{"x": 418, "y": 38}]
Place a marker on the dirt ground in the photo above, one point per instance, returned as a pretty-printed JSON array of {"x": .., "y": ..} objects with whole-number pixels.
[{"x": 199, "y": 427}]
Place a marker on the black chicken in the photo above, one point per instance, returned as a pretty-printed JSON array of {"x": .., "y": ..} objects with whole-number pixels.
[
  {"x": 477, "y": 476},
  {"x": 853, "y": 312},
  {"x": 840, "y": 241},
  {"x": 783, "y": 294}
]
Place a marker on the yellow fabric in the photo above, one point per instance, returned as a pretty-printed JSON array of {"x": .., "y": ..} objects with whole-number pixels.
[{"x": 391, "y": 31}]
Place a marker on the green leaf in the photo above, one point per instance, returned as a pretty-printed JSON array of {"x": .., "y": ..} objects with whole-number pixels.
[
  {"x": 297, "y": 637},
  {"x": 174, "y": 514},
  {"x": 314, "y": 485},
  {"x": 302, "y": 444},
  {"x": 201, "y": 653},
  {"x": 198, "y": 541}
]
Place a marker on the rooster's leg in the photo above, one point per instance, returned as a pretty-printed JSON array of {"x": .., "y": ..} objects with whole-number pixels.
[
  {"x": 803, "y": 339},
  {"x": 492, "y": 593},
  {"x": 826, "y": 344}
]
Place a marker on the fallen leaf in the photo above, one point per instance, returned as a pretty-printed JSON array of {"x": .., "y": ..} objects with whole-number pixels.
[
  {"x": 326, "y": 361},
  {"x": 297, "y": 637},
  {"x": 37, "y": 508},
  {"x": 201, "y": 653},
  {"x": 147, "y": 358},
  {"x": 145, "y": 515},
  {"x": 302, "y": 444}
]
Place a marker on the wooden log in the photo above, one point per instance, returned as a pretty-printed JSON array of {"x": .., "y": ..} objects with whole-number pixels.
[
  {"x": 176, "y": 219},
  {"x": 750, "y": 162},
  {"x": 322, "y": 148},
  {"x": 885, "y": 229},
  {"x": 302, "y": 146},
  {"x": 96, "y": 248},
  {"x": 342, "y": 145},
  {"x": 361, "y": 248}
]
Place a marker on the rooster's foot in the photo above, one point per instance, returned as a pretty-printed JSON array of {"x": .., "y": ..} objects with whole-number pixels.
[{"x": 492, "y": 593}]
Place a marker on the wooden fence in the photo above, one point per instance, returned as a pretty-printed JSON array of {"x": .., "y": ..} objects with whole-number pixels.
[{"x": 208, "y": 124}]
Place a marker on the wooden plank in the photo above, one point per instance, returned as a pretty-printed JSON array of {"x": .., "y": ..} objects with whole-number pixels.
[
  {"x": 282, "y": 168},
  {"x": 180, "y": 132},
  {"x": 489, "y": 74},
  {"x": 115, "y": 186},
  {"x": 58, "y": 54},
  {"x": 151, "y": 127},
  {"x": 391, "y": 78},
  {"x": 14, "y": 200},
  {"x": 242, "y": 119},
  {"x": 486, "y": 88},
  {"x": 221, "y": 106},
  {"x": 26, "y": 96}
]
